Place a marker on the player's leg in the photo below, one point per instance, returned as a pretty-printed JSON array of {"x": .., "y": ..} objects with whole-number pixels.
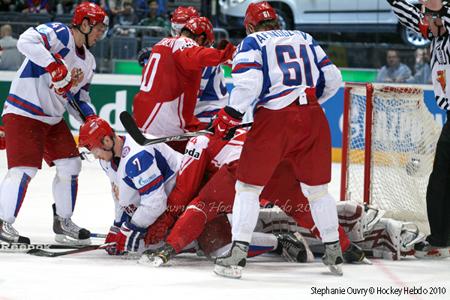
[
  {"x": 438, "y": 201},
  {"x": 215, "y": 240},
  {"x": 215, "y": 198},
  {"x": 25, "y": 139},
  {"x": 313, "y": 170},
  {"x": 61, "y": 151},
  {"x": 283, "y": 190},
  {"x": 263, "y": 149}
]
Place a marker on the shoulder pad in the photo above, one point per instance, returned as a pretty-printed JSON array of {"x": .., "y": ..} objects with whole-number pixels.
[{"x": 183, "y": 43}]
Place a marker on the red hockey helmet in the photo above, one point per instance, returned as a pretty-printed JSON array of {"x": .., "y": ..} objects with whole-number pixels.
[
  {"x": 258, "y": 12},
  {"x": 91, "y": 11},
  {"x": 179, "y": 18},
  {"x": 92, "y": 133},
  {"x": 201, "y": 25},
  {"x": 182, "y": 14}
]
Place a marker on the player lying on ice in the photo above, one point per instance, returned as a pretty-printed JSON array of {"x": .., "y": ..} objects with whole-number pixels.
[{"x": 142, "y": 177}]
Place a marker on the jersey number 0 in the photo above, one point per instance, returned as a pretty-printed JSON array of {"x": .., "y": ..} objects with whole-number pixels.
[{"x": 150, "y": 67}]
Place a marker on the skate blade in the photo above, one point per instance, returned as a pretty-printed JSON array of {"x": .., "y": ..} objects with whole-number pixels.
[
  {"x": 66, "y": 240},
  {"x": 336, "y": 269},
  {"x": 151, "y": 261},
  {"x": 234, "y": 272}
]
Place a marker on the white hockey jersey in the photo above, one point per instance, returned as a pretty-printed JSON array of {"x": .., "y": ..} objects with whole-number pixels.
[
  {"x": 273, "y": 68},
  {"x": 213, "y": 94},
  {"x": 30, "y": 94},
  {"x": 143, "y": 179}
]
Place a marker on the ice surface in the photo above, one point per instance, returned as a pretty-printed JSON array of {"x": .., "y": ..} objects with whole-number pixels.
[{"x": 95, "y": 275}]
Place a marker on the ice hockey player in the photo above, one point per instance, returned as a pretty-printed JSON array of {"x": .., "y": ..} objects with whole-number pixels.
[
  {"x": 203, "y": 157},
  {"x": 216, "y": 199},
  {"x": 141, "y": 178},
  {"x": 171, "y": 79},
  {"x": 213, "y": 93},
  {"x": 57, "y": 62},
  {"x": 271, "y": 71}
]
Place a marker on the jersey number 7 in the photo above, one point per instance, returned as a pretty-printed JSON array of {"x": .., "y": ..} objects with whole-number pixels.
[{"x": 290, "y": 66}]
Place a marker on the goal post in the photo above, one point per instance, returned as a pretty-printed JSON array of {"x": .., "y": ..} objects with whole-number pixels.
[{"x": 388, "y": 145}]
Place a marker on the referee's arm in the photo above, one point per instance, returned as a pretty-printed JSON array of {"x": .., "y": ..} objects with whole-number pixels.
[{"x": 408, "y": 15}]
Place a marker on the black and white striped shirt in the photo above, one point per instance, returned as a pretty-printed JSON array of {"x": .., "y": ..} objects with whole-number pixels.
[{"x": 410, "y": 16}]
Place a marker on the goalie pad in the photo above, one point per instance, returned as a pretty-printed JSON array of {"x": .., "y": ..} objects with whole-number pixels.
[
  {"x": 357, "y": 219},
  {"x": 391, "y": 239},
  {"x": 274, "y": 220}
]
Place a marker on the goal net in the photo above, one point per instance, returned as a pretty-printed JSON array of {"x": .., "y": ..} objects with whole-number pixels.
[{"x": 389, "y": 140}]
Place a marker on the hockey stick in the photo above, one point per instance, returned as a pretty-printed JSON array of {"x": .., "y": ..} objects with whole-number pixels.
[
  {"x": 20, "y": 247},
  {"x": 134, "y": 131},
  {"x": 98, "y": 235},
  {"x": 74, "y": 104},
  {"x": 44, "y": 253}
]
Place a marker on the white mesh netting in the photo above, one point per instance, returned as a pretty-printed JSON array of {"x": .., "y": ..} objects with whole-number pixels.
[{"x": 404, "y": 136}]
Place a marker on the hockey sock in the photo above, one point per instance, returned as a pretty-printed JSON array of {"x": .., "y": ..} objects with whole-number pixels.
[
  {"x": 13, "y": 191},
  {"x": 323, "y": 211},
  {"x": 245, "y": 211},
  {"x": 65, "y": 185}
]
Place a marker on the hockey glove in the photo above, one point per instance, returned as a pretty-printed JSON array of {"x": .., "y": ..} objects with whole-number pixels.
[
  {"x": 61, "y": 77},
  {"x": 127, "y": 240},
  {"x": 2, "y": 138},
  {"x": 143, "y": 55},
  {"x": 225, "y": 120},
  {"x": 158, "y": 230},
  {"x": 110, "y": 238},
  {"x": 229, "y": 51}
]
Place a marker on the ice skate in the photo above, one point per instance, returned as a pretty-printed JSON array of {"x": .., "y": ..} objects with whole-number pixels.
[
  {"x": 424, "y": 250},
  {"x": 293, "y": 249},
  {"x": 333, "y": 258},
  {"x": 231, "y": 264},
  {"x": 158, "y": 257},
  {"x": 10, "y": 235},
  {"x": 67, "y": 232},
  {"x": 354, "y": 254}
]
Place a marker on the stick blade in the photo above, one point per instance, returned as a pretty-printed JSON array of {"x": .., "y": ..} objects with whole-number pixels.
[
  {"x": 41, "y": 253},
  {"x": 130, "y": 126}
]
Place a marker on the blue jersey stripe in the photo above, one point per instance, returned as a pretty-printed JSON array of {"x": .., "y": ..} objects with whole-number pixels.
[
  {"x": 163, "y": 165},
  {"x": 272, "y": 97},
  {"x": 32, "y": 70},
  {"x": 249, "y": 44}
]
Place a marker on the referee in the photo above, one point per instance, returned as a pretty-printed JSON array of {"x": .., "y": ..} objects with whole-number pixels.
[{"x": 433, "y": 21}]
